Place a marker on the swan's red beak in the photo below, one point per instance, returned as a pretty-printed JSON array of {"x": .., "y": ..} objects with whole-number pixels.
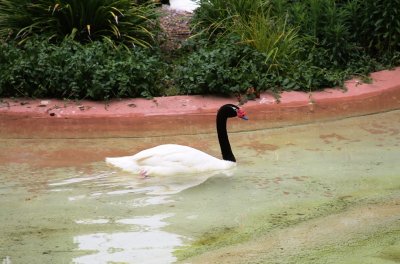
[{"x": 241, "y": 114}]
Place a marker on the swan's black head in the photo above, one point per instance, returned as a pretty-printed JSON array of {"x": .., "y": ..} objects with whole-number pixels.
[{"x": 231, "y": 110}]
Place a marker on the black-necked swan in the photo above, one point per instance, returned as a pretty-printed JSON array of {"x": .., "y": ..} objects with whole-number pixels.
[{"x": 172, "y": 159}]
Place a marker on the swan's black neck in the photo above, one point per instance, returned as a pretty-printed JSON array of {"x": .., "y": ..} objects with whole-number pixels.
[{"x": 223, "y": 137}]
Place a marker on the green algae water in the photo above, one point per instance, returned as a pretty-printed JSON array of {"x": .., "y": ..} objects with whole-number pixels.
[{"x": 327, "y": 192}]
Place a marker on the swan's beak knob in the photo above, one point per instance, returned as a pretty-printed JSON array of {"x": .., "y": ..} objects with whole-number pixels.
[{"x": 241, "y": 114}]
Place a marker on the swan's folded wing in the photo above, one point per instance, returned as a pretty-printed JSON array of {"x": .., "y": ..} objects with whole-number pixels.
[
  {"x": 170, "y": 159},
  {"x": 171, "y": 155},
  {"x": 162, "y": 158}
]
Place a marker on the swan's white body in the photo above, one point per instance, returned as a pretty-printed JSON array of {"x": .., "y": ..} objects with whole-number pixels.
[{"x": 170, "y": 159}]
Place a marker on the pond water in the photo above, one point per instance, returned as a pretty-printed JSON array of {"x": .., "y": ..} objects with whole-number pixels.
[{"x": 319, "y": 193}]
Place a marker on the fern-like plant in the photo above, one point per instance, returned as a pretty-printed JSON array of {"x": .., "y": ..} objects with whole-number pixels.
[{"x": 116, "y": 21}]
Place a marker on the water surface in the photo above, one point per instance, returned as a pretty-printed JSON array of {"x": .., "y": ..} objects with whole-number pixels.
[{"x": 324, "y": 193}]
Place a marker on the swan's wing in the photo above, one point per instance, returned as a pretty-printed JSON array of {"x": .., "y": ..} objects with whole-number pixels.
[
  {"x": 162, "y": 159},
  {"x": 173, "y": 156},
  {"x": 170, "y": 159},
  {"x": 168, "y": 152}
]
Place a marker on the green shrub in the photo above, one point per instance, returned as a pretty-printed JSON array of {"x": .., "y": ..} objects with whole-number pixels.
[
  {"x": 224, "y": 68},
  {"x": 344, "y": 28},
  {"x": 230, "y": 67},
  {"x": 71, "y": 70},
  {"x": 378, "y": 25},
  {"x": 325, "y": 24},
  {"x": 260, "y": 24},
  {"x": 115, "y": 21},
  {"x": 214, "y": 17},
  {"x": 270, "y": 35},
  {"x": 262, "y": 44}
]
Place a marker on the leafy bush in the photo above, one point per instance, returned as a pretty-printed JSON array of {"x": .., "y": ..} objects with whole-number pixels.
[
  {"x": 230, "y": 67},
  {"x": 224, "y": 68},
  {"x": 344, "y": 28},
  {"x": 325, "y": 23},
  {"x": 378, "y": 25},
  {"x": 240, "y": 45},
  {"x": 71, "y": 70},
  {"x": 214, "y": 17},
  {"x": 260, "y": 24},
  {"x": 270, "y": 35},
  {"x": 115, "y": 21}
]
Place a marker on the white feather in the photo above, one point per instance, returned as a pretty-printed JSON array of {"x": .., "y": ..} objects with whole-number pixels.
[{"x": 170, "y": 159}]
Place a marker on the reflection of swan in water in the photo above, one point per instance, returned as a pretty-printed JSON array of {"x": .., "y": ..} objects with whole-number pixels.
[
  {"x": 143, "y": 241},
  {"x": 173, "y": 185},
  {"x": 170, "y": 159}
]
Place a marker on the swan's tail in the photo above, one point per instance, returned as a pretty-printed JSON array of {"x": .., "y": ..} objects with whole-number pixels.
[{"x": 124, "y": 163}]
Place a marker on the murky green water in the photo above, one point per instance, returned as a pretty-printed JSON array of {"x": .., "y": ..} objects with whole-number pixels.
[{"x": 319, "y": 193}]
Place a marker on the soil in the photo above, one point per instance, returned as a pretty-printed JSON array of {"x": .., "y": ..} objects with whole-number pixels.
[{"x": 176, "y": 27}]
